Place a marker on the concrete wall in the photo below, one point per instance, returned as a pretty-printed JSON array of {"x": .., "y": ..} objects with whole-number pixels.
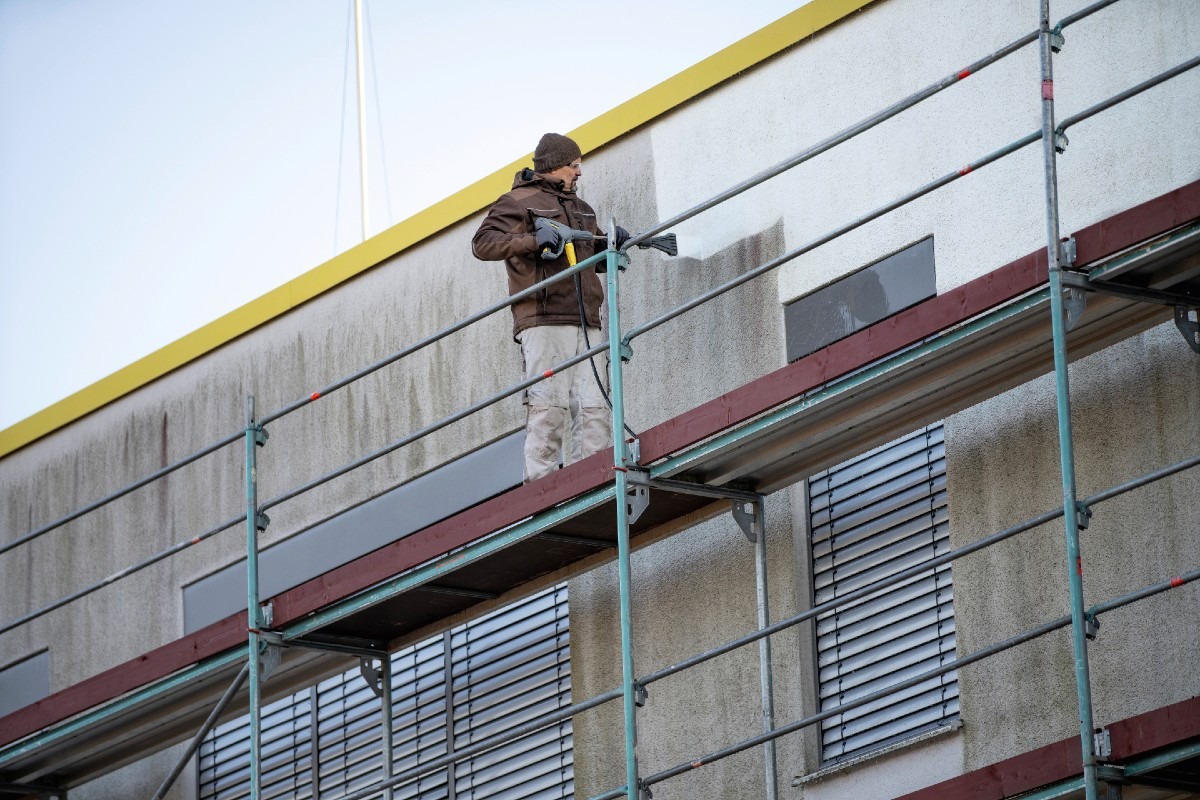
[{"x": 695, "y": 590}]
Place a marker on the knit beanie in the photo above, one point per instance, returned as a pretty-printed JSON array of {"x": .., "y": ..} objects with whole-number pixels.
[{"x": 553, "y": 151}]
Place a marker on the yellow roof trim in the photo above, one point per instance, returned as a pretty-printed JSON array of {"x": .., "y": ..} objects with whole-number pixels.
[{"x": 630, "y": 115}]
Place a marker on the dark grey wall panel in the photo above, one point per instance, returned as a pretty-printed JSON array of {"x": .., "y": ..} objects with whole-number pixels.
[
  {"x": 24, "y": 682},
  {"x": 356, "y": 532},
  {"x": 862, "y": 298}
]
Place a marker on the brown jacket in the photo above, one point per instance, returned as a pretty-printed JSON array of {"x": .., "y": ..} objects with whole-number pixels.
[{"x": 507, "y": 234}]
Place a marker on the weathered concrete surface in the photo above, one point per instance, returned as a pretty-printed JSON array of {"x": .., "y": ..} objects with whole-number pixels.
[
  {"x": 690, "y": 593},
  {"x": 1135, "y": 408},
  {"x": 369, "y": 318}
]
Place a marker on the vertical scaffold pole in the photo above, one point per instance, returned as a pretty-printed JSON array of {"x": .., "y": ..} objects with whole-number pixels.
[
  {"x": 385, "y": 698},
  {"x": 1063, "y": 397},
  {"x": 253, "y": 613},
  {"x": 764, "y": 648},
  {"x": 621, "y": 463}
]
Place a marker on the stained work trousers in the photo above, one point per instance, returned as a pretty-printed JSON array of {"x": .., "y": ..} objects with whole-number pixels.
[{"x": 571, "y": 396}]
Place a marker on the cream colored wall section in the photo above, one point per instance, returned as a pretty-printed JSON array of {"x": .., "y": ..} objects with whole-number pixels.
[{"x": 890, "y": 50}]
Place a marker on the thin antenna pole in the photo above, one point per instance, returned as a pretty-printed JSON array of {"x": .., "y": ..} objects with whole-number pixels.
[{"x": 362, "y": 113}]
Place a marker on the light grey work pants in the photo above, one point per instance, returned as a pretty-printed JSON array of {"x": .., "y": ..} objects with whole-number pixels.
[{"x": 571, "y": 395}]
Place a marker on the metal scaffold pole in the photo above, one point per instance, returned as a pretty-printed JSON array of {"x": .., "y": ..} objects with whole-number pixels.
[
  {"x": 389, "y": 756},
  {"x": 621, "y": 464},
  {"x": 254, "y": 438},
  {"x": 1063, "y": 397},
  {"x": 764, "y": 649}
]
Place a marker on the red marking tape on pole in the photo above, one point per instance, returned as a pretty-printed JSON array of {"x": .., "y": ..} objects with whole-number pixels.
[
  {"x": 963, "y": 74},
  {"x": 697, "y": 764},
  {"x": 1079, "y": 565},
  {"x": 548, "y": 373},
  {"x": 314, "y": 396},
  {"x": 965, "y": 170},
  {"x": 1047, "y": 90},
  {"x": 1177, "y": 582}
]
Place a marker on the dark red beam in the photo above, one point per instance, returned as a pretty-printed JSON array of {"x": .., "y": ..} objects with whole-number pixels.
[{"x": 1054, "y": 763}]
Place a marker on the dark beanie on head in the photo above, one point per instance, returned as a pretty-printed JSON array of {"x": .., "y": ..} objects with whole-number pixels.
[{"x": 553, "y": 151}]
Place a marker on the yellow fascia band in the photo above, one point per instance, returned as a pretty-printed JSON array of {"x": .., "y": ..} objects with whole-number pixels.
[{"x": 630, "y": 115}]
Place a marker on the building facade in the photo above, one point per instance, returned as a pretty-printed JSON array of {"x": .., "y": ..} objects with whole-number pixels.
[{"x": 879, "y": 477}]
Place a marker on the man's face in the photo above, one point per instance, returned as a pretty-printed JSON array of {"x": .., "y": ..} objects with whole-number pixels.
[{"x": 569, "y": 174}]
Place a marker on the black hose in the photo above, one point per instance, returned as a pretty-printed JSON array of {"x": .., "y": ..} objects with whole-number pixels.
[{"x": 588, "y": 345}]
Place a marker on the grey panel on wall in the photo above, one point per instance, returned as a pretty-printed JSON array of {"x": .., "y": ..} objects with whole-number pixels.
[
  {"x": 862, "y": 298},
  {"x": 421, "y": 502},
  {"x": 24, "y": 682}
]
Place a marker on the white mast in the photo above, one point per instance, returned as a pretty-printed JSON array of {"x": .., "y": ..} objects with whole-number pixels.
[{"x": 362, "y": 114}]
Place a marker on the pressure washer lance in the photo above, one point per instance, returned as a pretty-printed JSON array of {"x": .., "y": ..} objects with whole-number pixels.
[{"x": 567, "y": 237}]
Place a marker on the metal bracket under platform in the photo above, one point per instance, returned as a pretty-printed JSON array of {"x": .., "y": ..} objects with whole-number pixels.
[
  {"x": 747, "y": 505},
  {"x": 1076, "y": 283}
]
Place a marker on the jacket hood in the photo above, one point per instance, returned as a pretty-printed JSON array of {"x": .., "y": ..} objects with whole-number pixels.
[{"x": 527, "y": 177}]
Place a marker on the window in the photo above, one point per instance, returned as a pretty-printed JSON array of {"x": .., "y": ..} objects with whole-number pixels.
[
  {"x": 475, "y": 681},
  {"x": 871, "y": 518},
  {"x": 859, "y": 299}
]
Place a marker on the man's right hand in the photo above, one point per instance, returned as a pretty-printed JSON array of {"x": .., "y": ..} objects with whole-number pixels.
[{"x": 549, "y": 241}]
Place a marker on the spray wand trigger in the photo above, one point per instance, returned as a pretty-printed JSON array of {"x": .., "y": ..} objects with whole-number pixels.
[{"x": 565, "y": 237}]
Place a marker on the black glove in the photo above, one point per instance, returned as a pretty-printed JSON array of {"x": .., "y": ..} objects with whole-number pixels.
[
  {"x": 549, "y": 241},
  {"x": 620, "y": 237}
]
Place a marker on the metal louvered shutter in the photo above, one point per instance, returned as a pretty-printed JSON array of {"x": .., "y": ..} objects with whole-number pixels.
[
  {"x": 505, "y": 669},
  {"x": 872, "y": 517},
  {"x": 510, "y": 667},
  {"x": 419, "y": 718},
  {"x": 224, "y": 756},
  {"x": 350, "y": 726}
]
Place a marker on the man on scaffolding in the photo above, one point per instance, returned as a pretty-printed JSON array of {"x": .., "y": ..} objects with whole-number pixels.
[{"x": 561, "y": 320}]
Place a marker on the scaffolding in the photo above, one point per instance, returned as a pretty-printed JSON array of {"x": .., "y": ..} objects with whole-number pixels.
[{"x": 639, "y": 472}]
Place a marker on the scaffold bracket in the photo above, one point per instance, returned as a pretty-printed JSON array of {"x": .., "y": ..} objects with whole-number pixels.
[
  {"x": 1104, "y": 748},
  {"x": 1083, "y": 515},
  {"x": 372, "y": 675},
  {"x": 1068, "y": 252},
  {"x": 1189, "y": 329},
  {"x": 269, "y": 656},
  {"x": 745, "y": 514},
  {"x": 637, "y": 493},
  {"x": 640, "y": 694},
  {"x": 1141, "y": 294},
  {"x": 260, "y": 435},
  {"x": 1074, "y": 304},
  {"x": 1091, "y": 626},
  {"x": 643, "y": 792},
  {"x": 261, "y": 521},
  {"x": 1057, "y": 40}
]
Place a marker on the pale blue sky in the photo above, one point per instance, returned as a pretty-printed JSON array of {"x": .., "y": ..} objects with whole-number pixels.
[{"x": 163, "y": 162}]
